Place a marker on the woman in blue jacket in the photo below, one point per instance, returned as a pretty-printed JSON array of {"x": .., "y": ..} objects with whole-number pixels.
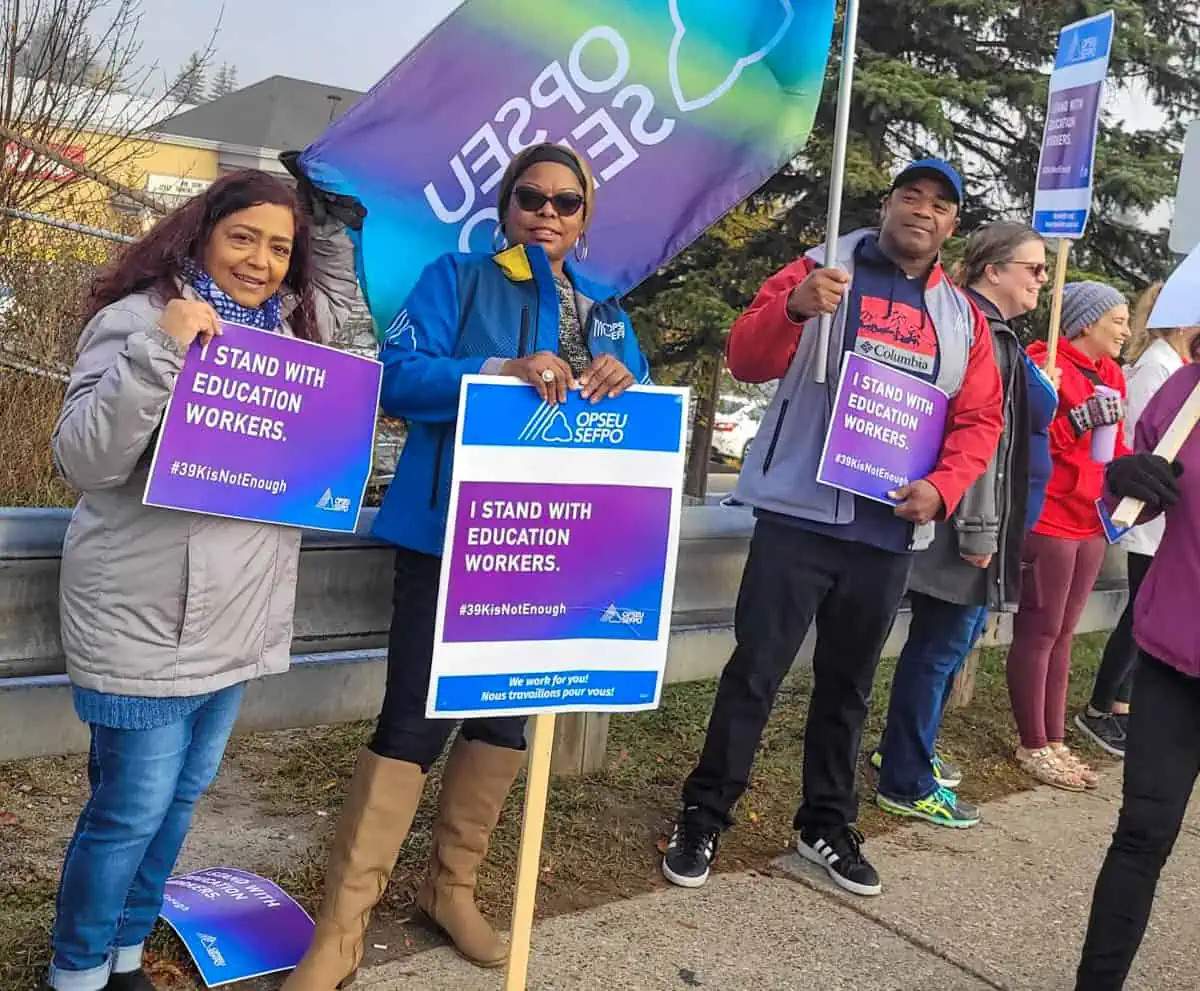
[{"x": 524, "y": 312}]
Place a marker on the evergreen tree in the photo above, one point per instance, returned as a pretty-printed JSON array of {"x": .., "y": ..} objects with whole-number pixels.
[
  {"x": 189, "y": 84},
  {"x": 966, "y": 79},
  {"x": 224, "y": 83}
]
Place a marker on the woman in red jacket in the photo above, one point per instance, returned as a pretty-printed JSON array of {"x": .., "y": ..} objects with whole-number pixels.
[{"x": 1063, "y": 555}]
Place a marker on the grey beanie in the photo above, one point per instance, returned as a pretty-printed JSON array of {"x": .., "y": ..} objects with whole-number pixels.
[{"x": 1084, "y": 303}]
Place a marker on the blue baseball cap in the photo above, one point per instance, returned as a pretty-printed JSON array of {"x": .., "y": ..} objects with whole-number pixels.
[{"x": 933, "y": 168}]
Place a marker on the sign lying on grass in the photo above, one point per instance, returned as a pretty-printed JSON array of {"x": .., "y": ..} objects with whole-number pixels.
[{"x": 236, "y": 925}]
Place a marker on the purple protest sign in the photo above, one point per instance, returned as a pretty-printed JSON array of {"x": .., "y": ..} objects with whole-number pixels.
[
  {"x": 540, "y": 562},
  {"x": 886, "y": 430},
  {"x": 1070, "y": 138},
  {"x": 236, "y": 925},
  {"x": 269, "y": 428}
]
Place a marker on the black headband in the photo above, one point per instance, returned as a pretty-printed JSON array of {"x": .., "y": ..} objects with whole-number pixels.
[{"x": 558, "y": 156}]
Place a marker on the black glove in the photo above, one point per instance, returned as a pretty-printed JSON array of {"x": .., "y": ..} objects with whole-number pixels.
[
  {"x": 1096, "y": 411},
  {"x": 1147, "y": 478},
  {"x": 320, "y": 204}
]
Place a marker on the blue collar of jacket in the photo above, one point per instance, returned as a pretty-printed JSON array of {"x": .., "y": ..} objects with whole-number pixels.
[{"x": 523, "y": 262}]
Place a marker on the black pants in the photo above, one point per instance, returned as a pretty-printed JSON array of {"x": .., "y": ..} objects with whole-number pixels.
[
  {"x": 1114, "y": 679},
  {"x": 403, "y": 732},
  {"x": 793, "y": 577},
  {"x": 1162, "y": 761}
]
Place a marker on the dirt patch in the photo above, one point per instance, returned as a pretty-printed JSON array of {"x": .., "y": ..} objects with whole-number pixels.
[{"x": 275, "y": 804}]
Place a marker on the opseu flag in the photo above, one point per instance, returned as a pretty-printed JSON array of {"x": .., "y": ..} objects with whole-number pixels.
[{"x": 683, "y": 108}]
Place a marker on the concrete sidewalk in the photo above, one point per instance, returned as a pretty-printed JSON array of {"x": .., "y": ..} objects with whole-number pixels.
[{"x": 1002, "y": 906}]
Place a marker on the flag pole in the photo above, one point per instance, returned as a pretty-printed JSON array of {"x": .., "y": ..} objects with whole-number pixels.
[{"x": 837, "y": 176}]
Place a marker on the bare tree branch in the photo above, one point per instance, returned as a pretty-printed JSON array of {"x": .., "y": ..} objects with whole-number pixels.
[{"x": 77, "y": 102}]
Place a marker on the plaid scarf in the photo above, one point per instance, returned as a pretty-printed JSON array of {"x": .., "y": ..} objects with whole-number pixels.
[{"x": 265, "y": 317}]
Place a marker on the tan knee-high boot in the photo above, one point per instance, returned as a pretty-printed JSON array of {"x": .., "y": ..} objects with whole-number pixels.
[
  {"x": 475, "y": 783},
  {"x": 379, "y": 810}
]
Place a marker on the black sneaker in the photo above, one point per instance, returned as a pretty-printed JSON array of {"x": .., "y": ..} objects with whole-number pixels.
[
  {"x": 690, "y": 853},
  {"x": 134, "y": 980},
  {"x": 1104, "y": 730},
  {"x": 839, "y": 851}
]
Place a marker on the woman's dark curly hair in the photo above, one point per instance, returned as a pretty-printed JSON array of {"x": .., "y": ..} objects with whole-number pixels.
[{"x": 154, "y": 262}]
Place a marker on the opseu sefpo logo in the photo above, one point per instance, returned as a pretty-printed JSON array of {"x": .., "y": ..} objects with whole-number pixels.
[{"x": 551, "y": 425}]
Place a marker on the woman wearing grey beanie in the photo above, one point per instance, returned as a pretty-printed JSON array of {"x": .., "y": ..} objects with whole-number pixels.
[{"x": 1064, "y": 552}]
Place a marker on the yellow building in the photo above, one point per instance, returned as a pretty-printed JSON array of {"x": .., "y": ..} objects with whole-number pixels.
[{"x": 170, "y": 161}]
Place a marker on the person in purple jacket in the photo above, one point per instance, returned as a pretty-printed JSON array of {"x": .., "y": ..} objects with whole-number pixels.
[{"x": 1162, "y": 751}]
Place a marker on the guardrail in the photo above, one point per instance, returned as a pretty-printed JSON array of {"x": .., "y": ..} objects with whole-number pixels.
[{"x": 343, "y": 609}]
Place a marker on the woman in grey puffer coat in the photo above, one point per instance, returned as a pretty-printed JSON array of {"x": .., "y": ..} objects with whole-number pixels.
[{"x": 166, "y": 614}]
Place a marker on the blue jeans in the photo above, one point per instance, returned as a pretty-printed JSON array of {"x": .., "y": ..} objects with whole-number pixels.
[
  {"x": 145, "y": 784},
  {"x": 939, "y": 639}
]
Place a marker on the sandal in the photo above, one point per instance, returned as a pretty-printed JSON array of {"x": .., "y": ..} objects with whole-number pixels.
[
  {"x": 1045, "y": 766},
  {"x": 1086, "y": 773}
]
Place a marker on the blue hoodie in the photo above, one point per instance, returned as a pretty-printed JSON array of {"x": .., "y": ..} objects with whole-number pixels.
[{"x": 464, "y": 310}]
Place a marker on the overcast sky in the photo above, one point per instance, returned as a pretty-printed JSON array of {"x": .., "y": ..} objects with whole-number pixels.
[
  {"x": 354, "y": 46},
  {"x": 350, "y": 43}
]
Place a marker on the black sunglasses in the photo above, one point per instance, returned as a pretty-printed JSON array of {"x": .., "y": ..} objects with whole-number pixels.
[
  {"x": 1036, "y": 269},
  {"x": 532, "y": 200}
]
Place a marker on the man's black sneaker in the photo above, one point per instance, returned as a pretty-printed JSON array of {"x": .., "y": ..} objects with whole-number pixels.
[
  {"x": 690, "y": 853},
  {"x": 839, "y": 851},
  {"x": 1103, "y": 730}
]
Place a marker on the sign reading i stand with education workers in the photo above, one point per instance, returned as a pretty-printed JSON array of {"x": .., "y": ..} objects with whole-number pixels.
[
  {"x": 269, "y": 428},
  {"x": 560, "y": 552},
  {"x": 1063, "y": 196},
  {"x": 886, "y": 430}
]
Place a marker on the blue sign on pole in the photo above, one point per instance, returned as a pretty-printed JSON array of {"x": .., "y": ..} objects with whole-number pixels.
[
  {"x": 1063, "y": 196},
  {"x": 560, "y": 555}
]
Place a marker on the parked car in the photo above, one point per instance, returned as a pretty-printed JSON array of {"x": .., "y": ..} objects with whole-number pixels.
[{"x": 736, "y": 424}]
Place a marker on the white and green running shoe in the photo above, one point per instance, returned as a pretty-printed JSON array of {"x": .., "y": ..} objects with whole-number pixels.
[
  {"x": 945, "y": 772},
  {"x": 942, "y": 808}
]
